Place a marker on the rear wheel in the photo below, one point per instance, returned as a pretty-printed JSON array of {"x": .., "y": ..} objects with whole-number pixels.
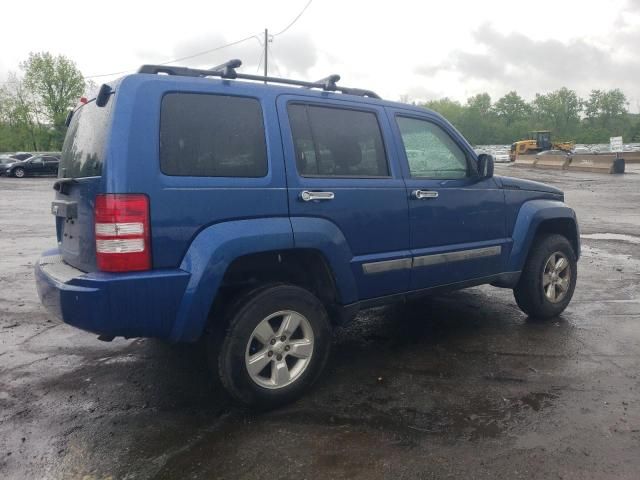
[
  {"x": 19, "y": 172},
  {"x": 276, "y": 345},
  {"x": 548, "y": 279}
]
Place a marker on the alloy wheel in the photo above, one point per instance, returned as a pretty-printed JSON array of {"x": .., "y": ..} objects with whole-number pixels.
[
  {"x": 279, "y": 349},
  {"x": 556, "y": 277}
]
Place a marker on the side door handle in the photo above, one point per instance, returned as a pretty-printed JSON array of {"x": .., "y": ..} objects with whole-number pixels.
[
  {"x": 307, "y": 196},
  {"x": 424, "y": 194}
]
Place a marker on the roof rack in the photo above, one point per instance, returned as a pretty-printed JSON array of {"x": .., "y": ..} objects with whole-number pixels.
[{"x": 227, "y": 70}]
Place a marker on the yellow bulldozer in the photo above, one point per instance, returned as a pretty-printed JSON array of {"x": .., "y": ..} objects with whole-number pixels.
[{"x": 538, "y": 141}]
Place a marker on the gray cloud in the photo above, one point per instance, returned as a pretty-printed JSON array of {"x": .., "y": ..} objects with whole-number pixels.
[
  {"x": 198, "y": 43},
  {"x": 248, "y": 51},
  {"x": 294, "y": 53},
  {"x": 482, "y": 66},
  {"x": 633, "y": 5},
  {"x": 515, "y": 61},
  {"x": 422, "y": 93}
]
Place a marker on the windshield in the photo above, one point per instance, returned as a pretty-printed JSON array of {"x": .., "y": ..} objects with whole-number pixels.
[{"x": 84, "y": 146}]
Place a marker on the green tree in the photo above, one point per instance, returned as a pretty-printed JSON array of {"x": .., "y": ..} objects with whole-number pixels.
[
  {"x": 450, "y": 109},
  {"x": 19, "y": 117},
  {"x": 558, "y": 111},
  {"x": 633, "y": 134},
  {"x": 478, "y": 119},
  {"x": 56, "y": 84},
  {"x": 512, "y": 108},
  {"x": 480, "y": 103},
  {"x": 607, "y": 109}
]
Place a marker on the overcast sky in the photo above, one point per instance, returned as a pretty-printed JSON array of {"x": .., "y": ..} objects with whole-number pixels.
[{"x": 422, "y": 49}]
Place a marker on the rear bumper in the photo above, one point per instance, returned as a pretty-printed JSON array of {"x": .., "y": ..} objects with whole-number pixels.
[{"x": 137, "y": 304}]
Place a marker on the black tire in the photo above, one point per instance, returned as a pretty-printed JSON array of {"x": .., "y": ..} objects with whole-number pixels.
[
  {"x": 18, "y": 172},
  {"x": 243, "y": 316},
  {"x": 529, "y": 292}
]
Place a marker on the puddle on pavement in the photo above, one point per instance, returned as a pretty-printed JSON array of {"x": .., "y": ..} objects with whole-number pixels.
[
  {"x": 475, "y": 419},
  {"x": 537, "y": 401},
  {"x": 626, "y": 259},
  {"x": 619, "y": 237}
]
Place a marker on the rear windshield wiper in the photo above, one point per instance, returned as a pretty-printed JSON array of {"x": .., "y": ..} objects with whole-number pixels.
[{"x": 60, "y": 184}]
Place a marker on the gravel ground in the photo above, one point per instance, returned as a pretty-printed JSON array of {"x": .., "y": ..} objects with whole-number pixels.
[{"x": 456, "y": 386}]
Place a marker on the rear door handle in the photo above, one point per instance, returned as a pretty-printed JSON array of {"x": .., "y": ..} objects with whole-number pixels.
[
  {"x": 424, "y": 194},
  {"x": 307, "y": 196}
]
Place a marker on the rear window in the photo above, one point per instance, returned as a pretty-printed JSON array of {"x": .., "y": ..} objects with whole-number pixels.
[
  {"x": 207, "y": 135},
  {"x": 84, "y": 146}
]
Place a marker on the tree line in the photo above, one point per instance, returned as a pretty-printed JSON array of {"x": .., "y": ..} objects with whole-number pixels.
[
  {"x": 34, "y": 105},
  {"x": 603, "y": 114}
]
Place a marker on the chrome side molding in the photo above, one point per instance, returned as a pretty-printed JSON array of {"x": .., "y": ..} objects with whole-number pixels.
[
  {"x": 386, "y": 265},
  {"x": 428, "y": 260}
]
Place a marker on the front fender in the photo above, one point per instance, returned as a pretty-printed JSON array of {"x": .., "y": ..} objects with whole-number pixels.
[
  {"x": 530, "y": 216},
  {"x": 207, "y": 260}
]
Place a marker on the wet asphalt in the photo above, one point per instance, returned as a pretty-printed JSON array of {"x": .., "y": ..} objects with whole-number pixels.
[{"x": 461, "y": 385}]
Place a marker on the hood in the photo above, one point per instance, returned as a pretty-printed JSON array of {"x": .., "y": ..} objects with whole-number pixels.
[{"x": 528, "y": 185}]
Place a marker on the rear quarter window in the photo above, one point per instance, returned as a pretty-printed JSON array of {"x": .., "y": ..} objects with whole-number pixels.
[{"x": 206, "y": 135}]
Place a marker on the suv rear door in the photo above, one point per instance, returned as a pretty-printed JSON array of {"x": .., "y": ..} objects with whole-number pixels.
[
  {"x": 457, "y": 219},
  {"x": 342, "y": 177},
  {"x": 80, "y": 173}
]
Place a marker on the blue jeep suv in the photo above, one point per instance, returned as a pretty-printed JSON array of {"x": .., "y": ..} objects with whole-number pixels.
[{"x": 257, "y": 213}]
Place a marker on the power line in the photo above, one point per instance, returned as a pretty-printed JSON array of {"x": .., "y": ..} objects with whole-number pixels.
[
  {"x": 268, "y": 38},
  {"x": 204, "y": 52},
  {"x": 294, "y": 20},
  {"x": 210, "y": 50},
  {"x": 273, "y": 59},
  {"x": 188, "y": 57},
  {"x": 260, "y": 62}
]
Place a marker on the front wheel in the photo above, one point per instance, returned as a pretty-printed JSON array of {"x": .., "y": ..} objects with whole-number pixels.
[
  {"x": 276, "y": 346},
  {"x": 548, "y": 279},
  {"x": 19, "y": 172}
]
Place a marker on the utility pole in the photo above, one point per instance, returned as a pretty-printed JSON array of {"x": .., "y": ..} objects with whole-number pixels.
[{"x": 266, "y": 52}]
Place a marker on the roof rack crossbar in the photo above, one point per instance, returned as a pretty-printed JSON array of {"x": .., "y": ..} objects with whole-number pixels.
[
  {"x": 329, "y": 82},
  {"x": 227, "y": 71}
]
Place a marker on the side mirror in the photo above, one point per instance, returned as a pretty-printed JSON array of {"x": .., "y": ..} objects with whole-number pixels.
[{"x": 485, "y": 165}]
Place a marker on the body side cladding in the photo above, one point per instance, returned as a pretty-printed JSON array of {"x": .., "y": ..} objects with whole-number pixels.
[
  {"x": 209, "y": 256},
  {"x": 324, "y": 236},
  {"x": 415, "y": 294},
  {"x": 531, "y": 216}
]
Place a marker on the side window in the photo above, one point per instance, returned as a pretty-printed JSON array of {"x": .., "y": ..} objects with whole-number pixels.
[
  {"x": 430, "y": 150},
  {"x": 336, "y": 142},
  {"x": 206, "y": 135}
]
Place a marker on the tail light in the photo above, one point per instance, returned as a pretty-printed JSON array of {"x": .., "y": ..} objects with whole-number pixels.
[{"x": 122, "y": 232}]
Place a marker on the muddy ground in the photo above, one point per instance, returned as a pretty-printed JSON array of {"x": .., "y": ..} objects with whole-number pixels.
[{"x": 457, "y": 386}]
